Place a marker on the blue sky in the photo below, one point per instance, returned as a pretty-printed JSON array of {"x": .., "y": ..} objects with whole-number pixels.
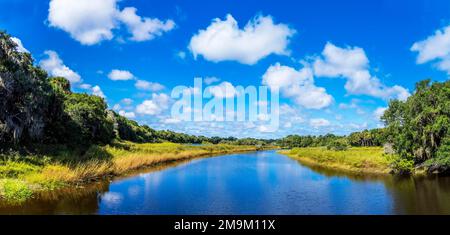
[{"x": 342, "y": 60}]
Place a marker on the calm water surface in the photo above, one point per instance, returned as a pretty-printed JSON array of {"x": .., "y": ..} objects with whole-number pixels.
[{"x": 249, "y": 183}]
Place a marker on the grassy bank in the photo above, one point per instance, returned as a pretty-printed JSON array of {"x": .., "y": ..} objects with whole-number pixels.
[
  {"x": 357, "y": 160},
  {"x": 22, "y": 176}
]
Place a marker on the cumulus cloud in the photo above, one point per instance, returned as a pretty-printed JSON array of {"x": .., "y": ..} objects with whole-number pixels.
[
  {"x": 171, "y": 120},
  {"x": 87, "y": 21},
  {"x": 435, "y": 48},
  {"x": 56, "y": 68},
  {"x": 92, "y": 21},
  {"x": 127, "y": 114},
  {"x": 319, "y": 122},
  {"x": 120, "y": 75},
  {"x": 223, "y": 40},
  {"x": 19, "y": 46},
  {"x": 352, "y": 64},
  {"x": 96, "y": 90},
  {"x": 148, "y": 86},
  {"x": 298, "y": 85},
  {"x": 379, "y": 112},
  {"x": 223, "y": 90},
  {"x": 144, "y": 28},
  {"x": 154, "y": 106}
]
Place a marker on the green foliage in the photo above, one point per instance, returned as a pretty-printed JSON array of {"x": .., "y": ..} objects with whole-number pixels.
[
  {"x": 88, "y": 122},
  {"x": 338, "y": 145},
  {"x": 441, "y": 162},
  {"x": 24, "y": 96},
  {"x": 400, "y": 165},
  {"x": 15, "y": 190},
  {"x": 14, "y": 169},
  {"x": 367, "y": 138},
  {"x": 293, "y": 141},
  {"x": 418, "y": 126},
  {"x": 359, "y": 159}
]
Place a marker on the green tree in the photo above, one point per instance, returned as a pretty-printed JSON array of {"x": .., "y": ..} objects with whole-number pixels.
[
  {"x": 419, "y": 126},
  {"x": 89, "y": 122},
  {"x": 24, "y": 96}
]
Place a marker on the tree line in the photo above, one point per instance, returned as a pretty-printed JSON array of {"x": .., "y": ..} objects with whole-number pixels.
[{"x": 366, "y": 138}]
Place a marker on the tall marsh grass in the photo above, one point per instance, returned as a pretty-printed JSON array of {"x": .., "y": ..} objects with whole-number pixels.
[
  {"x": 19, "y": 177},
  {"x": 357, "y": 159}
]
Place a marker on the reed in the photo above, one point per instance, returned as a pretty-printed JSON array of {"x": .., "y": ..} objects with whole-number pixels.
[{"x": 357, "y": 159}]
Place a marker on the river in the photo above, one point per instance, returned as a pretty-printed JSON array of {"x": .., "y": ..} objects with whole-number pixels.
[{"x": 246, "y": 183}]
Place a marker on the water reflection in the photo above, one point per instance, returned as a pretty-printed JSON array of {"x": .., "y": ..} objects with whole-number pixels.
[
  {"x": 250, "y": 183},
  {"x": 410, "y": 195}
]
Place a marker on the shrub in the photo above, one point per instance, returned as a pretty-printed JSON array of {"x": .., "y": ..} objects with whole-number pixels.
[
  {"x": 338, "y": 145},
  {"x": 15, "y": 190}
]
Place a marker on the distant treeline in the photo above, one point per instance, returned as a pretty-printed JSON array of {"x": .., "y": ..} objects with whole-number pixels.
[{"x": 366, "y": 138}]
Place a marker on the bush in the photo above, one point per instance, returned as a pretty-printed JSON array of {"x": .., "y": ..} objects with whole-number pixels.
[
  {"x": 400, "y": 165},
  {"x": 338, "y": 145},
  {"x": 89, "y": 122},
  {"x": 15, "y": 190},
  {"x": 12, "y": 169}
]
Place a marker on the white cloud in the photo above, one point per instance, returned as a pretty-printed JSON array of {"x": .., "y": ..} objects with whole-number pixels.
[
  {"x": 435, "y": 48},
  {"x": 117, "y": 107},
  {"x": 144, "y": 28},
  {"x": 264, "y": 129},
  {"x": 379, "y": 112},
  {"x": 148, "y": 86},
  {"x": 155, "y": 106},
  {"x": 319, "y": 122},
  {"x": 127, "y": 114},
  {"x": 120, "y": 75},
  {"x": 211, "y": 80},
  {"x": 357, "y": 126},
  {"x": 92, "y": 21},
  {"x": 223, "y": 40},
  {"x": 55, "y": 67},
  {"x": 87, "y": 21},
  {"x": 96, "y": 90},
  {"x": 352, "y": 64},
  {"x": 85, "y": 86},
  {"x": 223, "y": 90},
  {"x": 19, "y": 44},
  {"x": 298, "y": 85},
  {"x": 171, "y": 120}
]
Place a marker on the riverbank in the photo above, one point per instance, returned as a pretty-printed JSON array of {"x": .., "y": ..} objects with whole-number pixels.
[
  {"x": 22, "y": 176},
  {"x": 369, "y": 160}
]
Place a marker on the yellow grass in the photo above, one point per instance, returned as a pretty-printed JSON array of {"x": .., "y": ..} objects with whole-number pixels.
[
  {"x": 116, "y": 159},
  {"x": 357, "y": 160}
]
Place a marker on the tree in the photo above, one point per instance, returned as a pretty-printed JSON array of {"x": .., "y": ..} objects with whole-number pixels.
[
  {"x": 419, "y": 126},
  {"x": 24, "y": 96},
  {"x": 88, "y": 120}
]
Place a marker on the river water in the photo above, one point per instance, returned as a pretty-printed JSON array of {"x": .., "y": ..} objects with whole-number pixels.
[{"x": 246, "y": 183}]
